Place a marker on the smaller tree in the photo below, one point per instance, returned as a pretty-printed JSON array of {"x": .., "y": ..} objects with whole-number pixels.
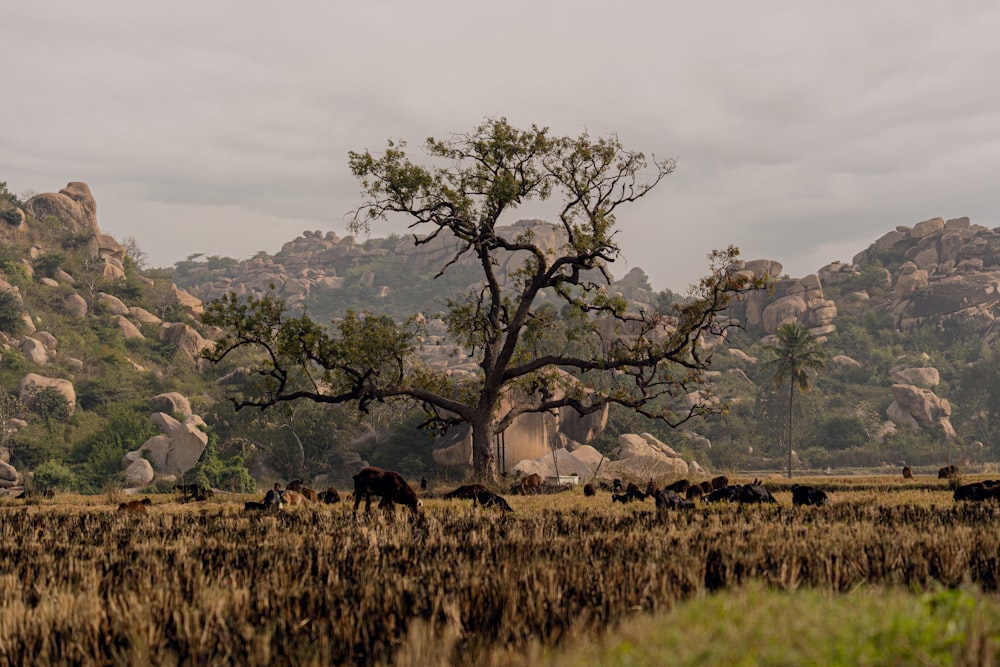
[{"x": 798, "y": 353}]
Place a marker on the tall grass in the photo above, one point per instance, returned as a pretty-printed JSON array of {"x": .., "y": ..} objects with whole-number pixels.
[{"x": 208, "y": 583}]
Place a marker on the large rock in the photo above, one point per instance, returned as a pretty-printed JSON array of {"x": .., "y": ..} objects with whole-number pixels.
[
  {"x": 546, "y": 465},
  {"x": 32, "y": 383},
  {"x": 783, "y": 310},
  {"x": 921, "y": 377},
  {"x": 138, "y": 474},
  {"x": 184, "y": 337},
  {"x": 175, "y": 451},
  {"x": 915, "y": 407},
  {"x": 187, "y": 301},
  {"x": 172, "y": 402},
  {"x": 75, "y": 306},
  {"x": 74, "y": 206},
  {"x": 34, "y": 350},
  {"x": 129, "y": 330},
  {"x": 112, "y": 303},
  {"x": 642, "y": 445}
]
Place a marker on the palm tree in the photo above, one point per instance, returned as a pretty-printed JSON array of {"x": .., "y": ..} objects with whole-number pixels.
[{"x": 798, "y": 353}]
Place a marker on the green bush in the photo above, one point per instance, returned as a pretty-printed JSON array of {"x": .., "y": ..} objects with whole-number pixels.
[{"x": 53, "y": 476}]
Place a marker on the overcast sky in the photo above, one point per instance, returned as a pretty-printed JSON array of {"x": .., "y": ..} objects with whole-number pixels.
[{"x": 803, "y": 131}]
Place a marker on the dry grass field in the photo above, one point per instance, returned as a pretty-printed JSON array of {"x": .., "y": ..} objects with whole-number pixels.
[{"x": 208, "y": 583}]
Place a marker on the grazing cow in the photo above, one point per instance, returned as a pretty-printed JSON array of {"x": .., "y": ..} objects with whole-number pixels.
[
  {"x": 680, "y": 486},
  {"x": 652, "y": 488},
  {"x": 907, "y": 472},
  {"x": 330, "y": 496},
  {"x": 719, "y": 482},
  {"x": 297, "y": 486},
  {"x": 135, "y": 506},
  {"x": 671, "y": 500},
  {"x": 466, "y": 491},
  {"x": 808, "y": 495},
  {"x": 726, "y": 493},
  {"x": 589, "y": 490},
  {"x": 273, "y": 498},
  {"x": 388, "y": 485},
  {"x": 985, "y": 490},
  {"x": 531, "y": 484},
  {"x": 254, "y": 506},
  {"x": 489, "y": 499},
  {"x": 694, "y": 492},
  {"x": 616, "y": 485},
  {"x": 948, "y": 472},
  {"x": 423, "y": 483},
  {"x": 706, "y": 487},
  {"x": 754, "y": 493},
  {"x": 632, "y": 492}
]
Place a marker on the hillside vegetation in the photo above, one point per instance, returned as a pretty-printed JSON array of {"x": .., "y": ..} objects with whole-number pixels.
[{"x": 51, "y": 264}]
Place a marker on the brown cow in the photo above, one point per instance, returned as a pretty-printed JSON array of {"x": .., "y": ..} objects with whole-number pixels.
[
  {"x": 531, "y": 484},
  {"x": 589, "y": 490},
  {"x": 948, "y": 472},
  {"x": 293, "y": 498},
  {"x": 907, "y": 472},
  {"x": 719, "y": 482},
  {"x": 652, "y": 488},
  {"x": 135, "y": 506},
  {"x": 388, "y": 485},
  {"x": 331, "y": 496}
]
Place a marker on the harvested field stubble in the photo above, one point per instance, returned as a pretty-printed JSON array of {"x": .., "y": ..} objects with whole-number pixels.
[{"x": 317, "y": 586}]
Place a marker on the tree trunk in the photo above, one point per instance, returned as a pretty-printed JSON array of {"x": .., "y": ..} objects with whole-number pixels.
[
  {"x": 791, "y": 392},
  {"x": 484, "y": 462}
]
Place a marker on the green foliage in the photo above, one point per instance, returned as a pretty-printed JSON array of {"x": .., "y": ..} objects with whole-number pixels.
[
  {"x": 213, "y": 471},
  {"x": 46, "y": 265},
  {"x": 16, "y": 273},
  {"x": 51, "y": 405},
  {"x": 53, "y": 476},
  {"x": 98, "y": 458},
  {"x": 12, "y": 312}
]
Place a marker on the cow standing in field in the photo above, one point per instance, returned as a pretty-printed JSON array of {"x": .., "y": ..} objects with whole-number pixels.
[
  {"x": 530, "y": 484},
  {"x": 589, "y": 490},
  {"x": 948, "y": 472},
  {"x": 307, "y": 493},
  {"x": 808, "y": 495},
  {"x": 135, "y": 506},
  {"x": 719, "y": 482},
  {"x": 671, "y": 500},
  {"x": 330, "y": 496},
  {"x": 389, "y": 486},
  {"x": 907, "y": 472}
]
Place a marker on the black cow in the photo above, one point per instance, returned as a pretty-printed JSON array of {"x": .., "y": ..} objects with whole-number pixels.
[
  {"x": 808, "y": 495},
  {"x": 489, "y": 499},
  {"x": 976, "y": 491},
  {"x": 754, "y": 493},
  {"x": 948, "y": 472},
  {"x": 730, "y": 493},
  {"x": 671, "y": 500},
  {"x": 388, "y": 485}
]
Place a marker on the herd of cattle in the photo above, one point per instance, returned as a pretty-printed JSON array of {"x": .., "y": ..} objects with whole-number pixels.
[{"x": 392, "y": 489}]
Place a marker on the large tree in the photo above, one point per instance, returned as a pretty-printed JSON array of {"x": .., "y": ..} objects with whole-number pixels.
[
  {"x": 797, "y": 354},
  {"x": 549, "y": 332}
]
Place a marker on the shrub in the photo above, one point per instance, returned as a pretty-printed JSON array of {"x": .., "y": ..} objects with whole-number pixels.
[{"x": 53, "y": 476}]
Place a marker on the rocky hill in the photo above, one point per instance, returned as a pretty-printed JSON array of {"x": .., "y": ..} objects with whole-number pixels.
[{"x": 105, "y": 386}]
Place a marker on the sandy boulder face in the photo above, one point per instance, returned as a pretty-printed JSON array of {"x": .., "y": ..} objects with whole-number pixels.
[
  {"x": 921, "y": 377},
  {"x": 172, "y": 402},
  {"x": 918, "y": 408},
  {"x": 138, "y": 473},
  {"x": 32, "y": 383},
  {"x": 187, "y": 301},
  {"x": 74, "y": 206},
  {"x": 546, "y": 465},
  {"x": 184, "y": 337},
  {"x": 176, "y": 450},
  {"x": 75, "y": 306},
  {"x": 129, "y": 330},
  {"x": 112, "y": 303},
  {"x": 34, "y": 350},
  {"x": 9, "y": 476}
]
